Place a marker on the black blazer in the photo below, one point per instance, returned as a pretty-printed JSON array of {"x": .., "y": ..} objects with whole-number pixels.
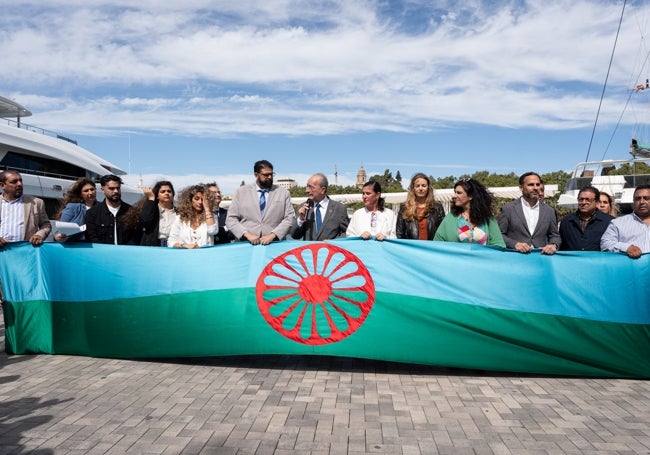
[
  {"x": 100, "y": 226},
  {"x": 223, "y": 236}
]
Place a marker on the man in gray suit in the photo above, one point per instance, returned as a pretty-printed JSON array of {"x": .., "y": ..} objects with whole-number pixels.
[
  {"x": 21, "y": 217},
  {"x": 320, "y": 218},
  {"x": 527, "y": 222},
  {"x": 261, "y": 212}
]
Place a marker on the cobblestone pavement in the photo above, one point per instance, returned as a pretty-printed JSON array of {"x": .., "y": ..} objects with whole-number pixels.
[{"x": 307, "y": 405}]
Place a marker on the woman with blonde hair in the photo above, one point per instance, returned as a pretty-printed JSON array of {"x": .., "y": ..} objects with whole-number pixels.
[
  {"x": 194, "y": 226},
  {"x": 420, "y": 215},
  {"x": 606, "y": 204}
]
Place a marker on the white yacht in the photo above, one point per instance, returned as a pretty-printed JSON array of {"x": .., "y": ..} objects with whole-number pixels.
[
  {"x": 618, "y": 178},
  {"x": 49, "y": 162}
]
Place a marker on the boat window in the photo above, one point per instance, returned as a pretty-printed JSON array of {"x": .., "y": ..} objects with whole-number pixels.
[{"x": 43, "y": 166}]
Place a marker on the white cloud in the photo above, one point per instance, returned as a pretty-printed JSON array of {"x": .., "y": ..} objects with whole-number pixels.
[{"x": 222, "y": 68}]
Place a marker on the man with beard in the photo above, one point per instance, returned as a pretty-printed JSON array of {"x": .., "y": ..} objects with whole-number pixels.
[
  {"x": 630, "y": 234},
  {"x": 528, "y": 223},
  {"x": 22, "y": 217},
  {"x": 582, "y": 230},
  {"x": 104, "y": 221},
  {"x": 261, "y": 212}
]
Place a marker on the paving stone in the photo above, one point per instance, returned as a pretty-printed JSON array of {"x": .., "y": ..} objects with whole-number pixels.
[{"x": 308, "y": 405}]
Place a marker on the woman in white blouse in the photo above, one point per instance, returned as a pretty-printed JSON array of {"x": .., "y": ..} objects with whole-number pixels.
[
  {"x": 372, "y": 221},
  {"x": 194, "y": 225}
]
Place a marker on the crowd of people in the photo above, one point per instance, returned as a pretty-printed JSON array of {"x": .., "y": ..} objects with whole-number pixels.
[{"x": 262, "y": 212}]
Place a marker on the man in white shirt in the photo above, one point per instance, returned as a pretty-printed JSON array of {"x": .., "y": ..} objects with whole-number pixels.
[
  {"x": 22, "y": 217},
  {"x": 630, "y": 234},
  {"x": 527, "y": 222}
]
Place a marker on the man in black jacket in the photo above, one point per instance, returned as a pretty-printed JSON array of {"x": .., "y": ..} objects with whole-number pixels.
[
  {"x": 104, "y": 221},
  {"x": 582, "y": 230}
]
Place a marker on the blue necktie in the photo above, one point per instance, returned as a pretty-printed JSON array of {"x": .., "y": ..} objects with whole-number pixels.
[
  {"x": 319, "y": 219},
  {"x": 262, "y": 201}
]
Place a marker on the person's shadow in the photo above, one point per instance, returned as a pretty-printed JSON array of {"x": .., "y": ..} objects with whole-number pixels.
[{"x": 16, "y": 418}]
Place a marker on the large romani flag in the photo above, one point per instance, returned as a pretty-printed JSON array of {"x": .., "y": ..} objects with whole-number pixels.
[{"x": 432, "y": 303}]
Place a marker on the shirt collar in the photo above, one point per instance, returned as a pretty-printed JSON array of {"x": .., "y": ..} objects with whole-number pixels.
[
  {"x": 15, "y": 201},
  {"x": 525, "y": 203}
]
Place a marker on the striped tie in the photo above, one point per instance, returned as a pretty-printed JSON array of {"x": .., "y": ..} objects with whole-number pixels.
[{"x": 262, "y": 201}]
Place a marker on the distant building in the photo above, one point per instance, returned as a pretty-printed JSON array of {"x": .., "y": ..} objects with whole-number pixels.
[
  {"x": 286, "y": 183},
  {"x": 361, "y": 177}
]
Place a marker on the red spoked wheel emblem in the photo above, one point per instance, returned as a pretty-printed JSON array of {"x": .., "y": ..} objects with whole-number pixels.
[{"x": 315, "y": 294}]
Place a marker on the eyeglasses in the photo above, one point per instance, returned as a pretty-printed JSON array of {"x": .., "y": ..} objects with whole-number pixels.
[
  {"x": 267, "y": 174},
  {"x": 586, "y": 199}
]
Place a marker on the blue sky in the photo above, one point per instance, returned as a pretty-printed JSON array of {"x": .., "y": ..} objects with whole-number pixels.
[{"x": 199, "y": 90}]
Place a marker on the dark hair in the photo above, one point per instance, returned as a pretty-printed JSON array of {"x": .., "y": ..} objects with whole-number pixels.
[
  {"x": 132, "y": 218},
  {"x": 591, "y": 189},
  {"x": 376, "y": 188},
  {"x": 4, "y": 174},
  {"x": 160, "y": 184},
  {"x": 641, "y": 187},
  {"x": 480, "y": 208},
  {"x": 522, "y": 177},
  {"x": 261, "y": 164},
  {"x": 74, "y": 194},
  {"x": 109, "y": 178}
]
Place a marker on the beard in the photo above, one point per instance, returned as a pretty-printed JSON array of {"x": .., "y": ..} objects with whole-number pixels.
[{"x": 265, "y": 184}]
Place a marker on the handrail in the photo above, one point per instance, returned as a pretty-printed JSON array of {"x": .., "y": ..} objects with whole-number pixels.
[{"x": 39, "y": 130}]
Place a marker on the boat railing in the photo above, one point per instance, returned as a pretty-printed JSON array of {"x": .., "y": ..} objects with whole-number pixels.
[
  {"x": 4, "y": 167},
  {"x": 38, "y": 130}
]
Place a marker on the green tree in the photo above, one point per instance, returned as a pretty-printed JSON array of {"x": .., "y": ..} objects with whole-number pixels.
[
  {"x": 388, "y": 183},
  {"x": 443, "y": 182}
]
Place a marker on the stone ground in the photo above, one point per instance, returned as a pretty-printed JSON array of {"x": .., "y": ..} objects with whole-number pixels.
[{"x": 307, "y": 405}]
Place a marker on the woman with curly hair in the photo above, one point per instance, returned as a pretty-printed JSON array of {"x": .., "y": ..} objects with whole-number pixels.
[
  {"x": 194, "y": 226},
  {"x": 79, "y": 198},
  {"x": 470, "y": 219},
  {"x": 420, "y": 215}
]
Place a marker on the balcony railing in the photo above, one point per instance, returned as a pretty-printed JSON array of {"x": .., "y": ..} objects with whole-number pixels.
[{"x": 38, "y": 130}]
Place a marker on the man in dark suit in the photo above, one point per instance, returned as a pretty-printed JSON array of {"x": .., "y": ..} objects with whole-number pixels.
[
  {"x": 320, "y": 218},
  {"x": 21, "y": 217},
  {"x": 220, "y": 214},
  {"x": 528, "y": 223}
]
